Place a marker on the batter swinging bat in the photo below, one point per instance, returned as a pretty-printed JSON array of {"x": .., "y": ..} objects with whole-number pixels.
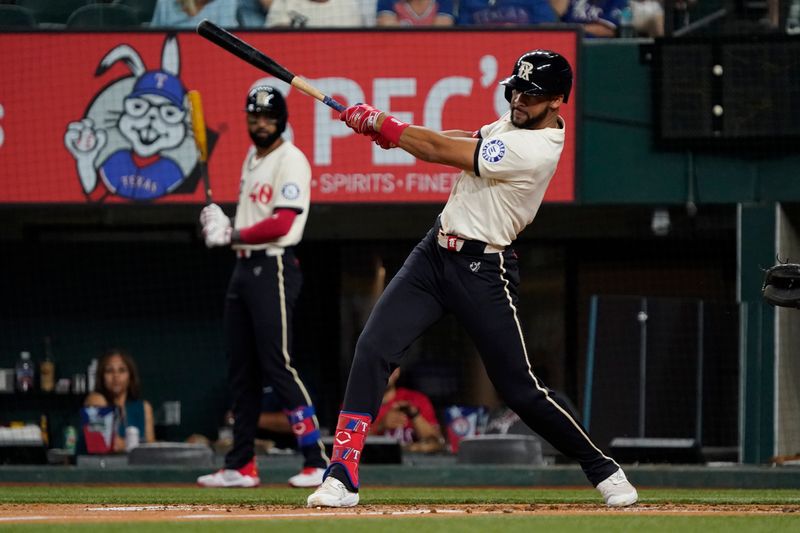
[
  {"x": 258, "y": 59},
  {"x": 199, "y": 128}
]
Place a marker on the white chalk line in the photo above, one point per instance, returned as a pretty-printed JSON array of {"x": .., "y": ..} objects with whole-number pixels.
[
  {"x": 236, "y": 516},
  {"x": 132, "y": 508},
  {"x": 319, "y": 514}
]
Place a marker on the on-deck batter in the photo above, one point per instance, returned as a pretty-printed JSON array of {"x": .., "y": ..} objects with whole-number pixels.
[{"x": 274, "y": 196}]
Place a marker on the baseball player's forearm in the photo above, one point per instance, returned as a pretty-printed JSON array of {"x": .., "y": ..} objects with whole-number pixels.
[
  {"x": 459, "y": 133},
  {"x": 269, "y": 229},
  {"x": 451, "y": 148},
  {"x": 434, "y": 147}
]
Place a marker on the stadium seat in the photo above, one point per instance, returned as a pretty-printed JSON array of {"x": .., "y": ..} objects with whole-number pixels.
[
  {"x": 52, "y": 12},
  {"x": 144, "y": 8},
  {"x": 12, "y": 16},
  {"x": 103, "y": 16}
]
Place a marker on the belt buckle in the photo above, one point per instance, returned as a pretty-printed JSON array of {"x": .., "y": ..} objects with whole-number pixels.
[{"x": 452, "y": 242}]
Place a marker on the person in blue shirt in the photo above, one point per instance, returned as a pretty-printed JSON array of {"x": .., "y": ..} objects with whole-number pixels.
[
  {"x": 598, "y": 17},
  {"x": 253, "y": 13},
  {"x": 188, "y": 13},
  {"x": 505, "y": 12}
]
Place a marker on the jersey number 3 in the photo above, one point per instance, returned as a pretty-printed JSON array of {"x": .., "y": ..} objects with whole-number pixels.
[{"x": 261, "y": 193}]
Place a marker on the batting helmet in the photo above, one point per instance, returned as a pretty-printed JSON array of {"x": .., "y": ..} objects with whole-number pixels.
[
  {"x": 540, "y": 72},
  {"x": 269, "y": 101}
]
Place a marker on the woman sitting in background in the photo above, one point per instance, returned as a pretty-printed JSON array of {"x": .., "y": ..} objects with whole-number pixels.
[{"x": 117, "y": 384}]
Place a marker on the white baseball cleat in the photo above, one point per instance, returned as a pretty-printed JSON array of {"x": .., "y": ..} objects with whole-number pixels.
[
  {"x": 333, "y": 493},
  {"x": 617, "y": 490},
  {"x": 308, "y": 477},
  {"x": 245, "y": 477}
]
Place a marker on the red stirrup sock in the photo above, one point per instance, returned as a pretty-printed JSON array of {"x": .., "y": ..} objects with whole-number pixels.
[{"x": 351, "y": 432}]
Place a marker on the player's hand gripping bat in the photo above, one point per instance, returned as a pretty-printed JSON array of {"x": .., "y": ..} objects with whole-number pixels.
[
  {"x": 200, "y": 140},
  {"x": 258, "y": 59}
]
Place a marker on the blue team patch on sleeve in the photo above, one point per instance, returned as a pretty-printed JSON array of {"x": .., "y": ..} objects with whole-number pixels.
[
  {"x": 290, "y": 191},
  {"x": 493, "y": 151}
]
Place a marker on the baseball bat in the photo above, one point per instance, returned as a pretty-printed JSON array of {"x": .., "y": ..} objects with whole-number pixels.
[
  {"x": 258, "y": 59},
  {"x": 200, "y": 140}
]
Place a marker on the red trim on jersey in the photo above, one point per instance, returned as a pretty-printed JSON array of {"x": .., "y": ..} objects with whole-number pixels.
[
  {"x": 269, "y": 229},
  {"x": 141, "y": 161}
]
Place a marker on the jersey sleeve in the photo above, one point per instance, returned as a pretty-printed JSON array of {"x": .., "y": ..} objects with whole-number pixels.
[
  {"x": 293, "y": 184},
  {"x": 385, "y": 6},
  {"x": 445, "y": 7},
  {"x": 508, "y": 156}
]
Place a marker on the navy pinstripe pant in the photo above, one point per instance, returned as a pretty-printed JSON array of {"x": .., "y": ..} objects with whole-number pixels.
[
  {"x": 259, "y": 307},
  {"x": 481, "y": 291}
]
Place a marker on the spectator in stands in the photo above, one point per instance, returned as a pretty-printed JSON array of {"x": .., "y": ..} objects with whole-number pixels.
[
  {"x": 648, "y": 16},
  {"x": 320, "y": 14},
  {"x": 117, "y": 384},
  {"x": 408, "y": 416},
  {"x": 504, "y": 12},
  {"x": 188, "y": 13},
  {"x": 598, "y": 17},
  {"x": 253, "y": 13},
  {"x": 410, "y": 13}
]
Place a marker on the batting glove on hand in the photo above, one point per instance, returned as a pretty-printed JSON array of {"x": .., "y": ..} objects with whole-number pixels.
[
  {"x": 217, "y": 234},
  {"x": 382, "y": 141},
  {"x": 212, "y": 213},
  {"x": 361, "y": 118}
]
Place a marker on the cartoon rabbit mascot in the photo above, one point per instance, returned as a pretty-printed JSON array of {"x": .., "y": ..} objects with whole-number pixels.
[{"x": 134, "y": 134}]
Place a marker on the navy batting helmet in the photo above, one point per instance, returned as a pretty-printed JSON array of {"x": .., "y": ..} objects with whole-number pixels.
[
  {"x": 540, "y": 72},
  {"x": 269, "y": 101}
]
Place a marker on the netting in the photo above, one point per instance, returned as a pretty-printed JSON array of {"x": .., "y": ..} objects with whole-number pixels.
[{"x": 95, "y": 257}]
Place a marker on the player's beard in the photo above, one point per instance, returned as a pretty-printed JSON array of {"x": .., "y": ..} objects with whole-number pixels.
[
  {"x": 264, "y": 141},
  {"x": 531, "y": 123}
]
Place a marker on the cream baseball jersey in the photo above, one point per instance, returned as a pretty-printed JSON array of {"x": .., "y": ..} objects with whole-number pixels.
[
  {"x": 502, "y": 194},
  {"x": 281, "y": 179}
]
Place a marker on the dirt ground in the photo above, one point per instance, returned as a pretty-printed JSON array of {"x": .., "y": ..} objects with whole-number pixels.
[{"x": 27, "y": 513}]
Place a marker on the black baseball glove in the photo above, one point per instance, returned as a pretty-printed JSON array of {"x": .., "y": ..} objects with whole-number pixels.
[{"x": 782, "y": 285}]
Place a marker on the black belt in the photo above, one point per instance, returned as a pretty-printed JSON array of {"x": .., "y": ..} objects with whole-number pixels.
[
  {"x": 455, "y": 243},
  {"x": 246, "y": 254}
]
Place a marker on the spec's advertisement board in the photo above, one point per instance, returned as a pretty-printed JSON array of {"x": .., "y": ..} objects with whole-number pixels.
[{"x": 103, "y": 117}]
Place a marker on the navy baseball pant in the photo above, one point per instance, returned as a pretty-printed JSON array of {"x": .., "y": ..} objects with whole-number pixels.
[
  {"x": 258, "y": 313},
  {"x": 481, "y": 291}
]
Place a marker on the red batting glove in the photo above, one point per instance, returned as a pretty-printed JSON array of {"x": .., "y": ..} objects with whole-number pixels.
[
  {"x": 361, "y": 118},
  {"x": 382, "y": 141}
]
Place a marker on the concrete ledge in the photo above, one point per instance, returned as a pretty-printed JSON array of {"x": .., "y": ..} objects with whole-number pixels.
[{"x": 425, "y": 473}]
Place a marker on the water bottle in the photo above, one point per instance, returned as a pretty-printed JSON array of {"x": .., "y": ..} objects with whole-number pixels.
[
  {"x": 131, "y": 438},
  {"x": 91, "y": 374},
  {"x": 47, "y": 369},
  {"x": 626, "y": 30},
  {"x": 25, "y": 372},
  {"x": 70, "y": 439}
]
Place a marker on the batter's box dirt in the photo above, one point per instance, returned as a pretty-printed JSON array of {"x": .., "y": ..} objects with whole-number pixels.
[{"x": 22, "y": 513}]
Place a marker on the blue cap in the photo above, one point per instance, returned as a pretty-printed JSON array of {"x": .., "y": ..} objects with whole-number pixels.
[{"x": 161, "y": 83}]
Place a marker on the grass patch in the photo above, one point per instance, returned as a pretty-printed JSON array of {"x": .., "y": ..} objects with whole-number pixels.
[
  {"x": 161, "y": 495},
  {"x": 466, "y": 524}
]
